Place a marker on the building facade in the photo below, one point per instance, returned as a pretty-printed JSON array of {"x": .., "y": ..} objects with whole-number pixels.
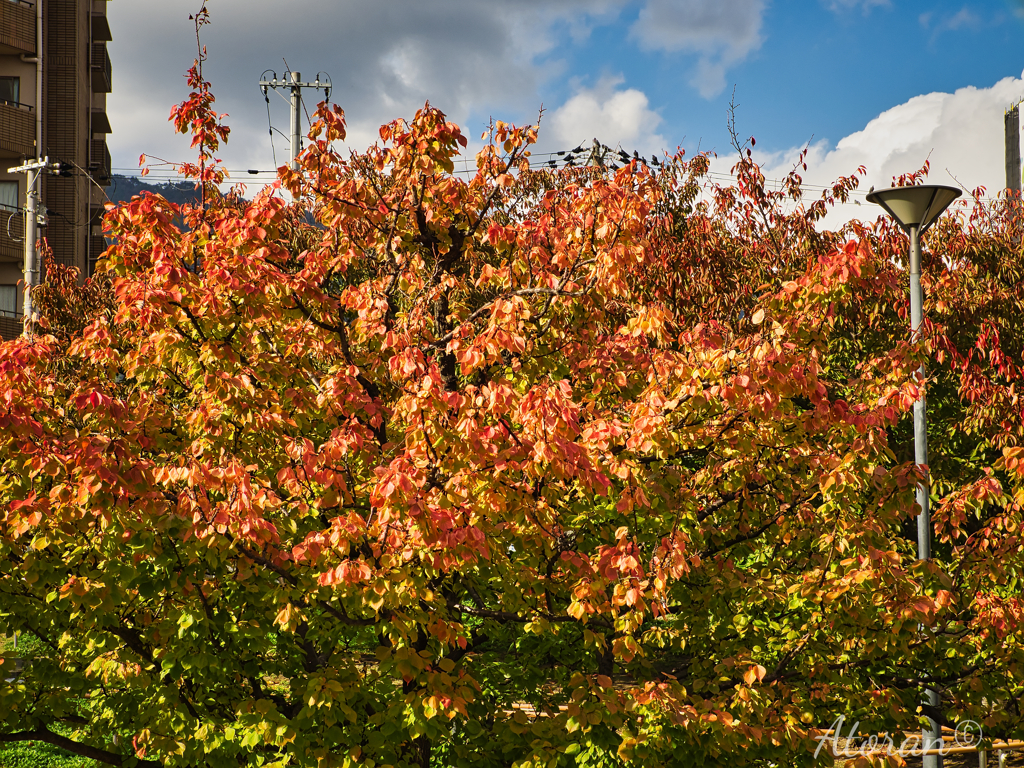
[{"x": 54, "y": 79}]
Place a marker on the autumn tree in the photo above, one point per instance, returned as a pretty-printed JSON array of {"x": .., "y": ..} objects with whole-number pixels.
[{"x": 521, "y": 469}]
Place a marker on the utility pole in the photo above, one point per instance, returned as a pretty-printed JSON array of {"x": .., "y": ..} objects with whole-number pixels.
[
  {"x": 296, "y": 102},
  {"x": 1011, "y": 128},
  {"x": 292, "y": 82},
  {"x": 32, "y": 171},
  {"x": 597, "y": 154}
]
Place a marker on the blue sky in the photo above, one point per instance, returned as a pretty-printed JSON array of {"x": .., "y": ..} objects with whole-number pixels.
[
  {"x": 883, "y": 83},
  {"x": 828, "y": 71}
]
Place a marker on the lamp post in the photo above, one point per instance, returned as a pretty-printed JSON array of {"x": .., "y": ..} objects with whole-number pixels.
[{"x": 915, "y": 209}]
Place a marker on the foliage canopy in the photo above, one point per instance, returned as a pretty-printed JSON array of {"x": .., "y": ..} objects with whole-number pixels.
[{"x": 525, "y": 469}]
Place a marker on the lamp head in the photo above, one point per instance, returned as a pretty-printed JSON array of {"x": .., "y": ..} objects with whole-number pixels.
[{"x": 915, "y": 206}]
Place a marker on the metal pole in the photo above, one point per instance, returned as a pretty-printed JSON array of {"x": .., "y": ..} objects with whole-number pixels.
[
  {"x": 31, "y": 208},
  {"x": 296, "y": 101},
  {"x": 931, "y": 736},
  {"x": 924, "y": 539}
]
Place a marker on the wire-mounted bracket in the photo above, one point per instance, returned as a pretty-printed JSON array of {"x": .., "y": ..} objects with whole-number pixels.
[{"x": 287, "y": 81}]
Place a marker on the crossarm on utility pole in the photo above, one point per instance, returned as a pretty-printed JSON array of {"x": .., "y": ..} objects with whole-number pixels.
[{"x": 293, "y": 83}]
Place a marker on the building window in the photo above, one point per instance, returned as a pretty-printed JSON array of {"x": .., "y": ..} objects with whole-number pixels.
[
  {"x": 9, "y": 196},
  {"x": 10, "y": 90},
  {"x": 8, "y": 301}
]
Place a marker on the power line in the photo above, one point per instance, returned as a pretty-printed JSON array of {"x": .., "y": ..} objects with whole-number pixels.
[
  {"x": 597, "y": 154},
  {"x": 270, "y": 124}
]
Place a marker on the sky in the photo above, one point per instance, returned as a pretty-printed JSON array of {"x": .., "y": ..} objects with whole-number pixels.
[{"x": 884, "y": 84}]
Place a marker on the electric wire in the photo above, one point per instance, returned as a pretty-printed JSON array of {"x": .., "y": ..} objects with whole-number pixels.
[
  {"x": 580, "y": 156},
  {"x": 9, "y": 235},
  {"x": 270, "y": 126},
  {"x": 534, "y": 165}
]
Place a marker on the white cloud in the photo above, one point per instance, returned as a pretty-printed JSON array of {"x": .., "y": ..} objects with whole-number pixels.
[
  {"x": 613, "y": 115},
  {"x": 471, "y": 59},
  {"x": 960, "y": 134},
  {"x": 386, "y": 60},
  {"x": 864, "y": 5},
  {"x": 964, "y": 18},
  {"x": 723, "y": 32}
]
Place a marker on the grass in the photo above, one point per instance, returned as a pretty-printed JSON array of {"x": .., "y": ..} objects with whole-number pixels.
[{"x": 35, "y": 754}]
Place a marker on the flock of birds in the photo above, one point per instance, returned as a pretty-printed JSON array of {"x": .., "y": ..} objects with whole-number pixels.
[{"x": 597, "y": 154}]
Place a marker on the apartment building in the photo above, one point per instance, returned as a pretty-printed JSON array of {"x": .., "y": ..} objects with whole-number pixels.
[{"x": 54, "y": 78}]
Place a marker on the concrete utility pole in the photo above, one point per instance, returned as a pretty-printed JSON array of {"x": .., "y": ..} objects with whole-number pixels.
[
  {"x": 32, "y": 171},
  {"x": 292, "y": 81},
  {"x": 1011, "y": 127},
  {"x": 296, "y": 102}
]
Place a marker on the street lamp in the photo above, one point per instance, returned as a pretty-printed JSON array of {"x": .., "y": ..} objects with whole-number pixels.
[{"x": 915, "y": 209}]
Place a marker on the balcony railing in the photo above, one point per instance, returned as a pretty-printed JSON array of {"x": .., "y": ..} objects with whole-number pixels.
[
  {"x": 98, "y": 121},
  {"x": 97, "y": 245},
  {"x": 10, "y": 327},
  {"x": 17, "y": 27},
  {"x": 17, "y": 128},
  {"x": 100, "y": 66},
  {"x": 99, "y": 162},
  {"x": 100, "y": 29}
]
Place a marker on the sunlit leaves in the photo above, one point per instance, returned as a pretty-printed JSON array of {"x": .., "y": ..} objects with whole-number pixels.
[{"x": 513, "y": 469}]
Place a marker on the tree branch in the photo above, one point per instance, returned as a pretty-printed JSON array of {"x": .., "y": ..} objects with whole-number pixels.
[
  {"x": 49, "y": 737},
  {"x": 340, "y": 615}
]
